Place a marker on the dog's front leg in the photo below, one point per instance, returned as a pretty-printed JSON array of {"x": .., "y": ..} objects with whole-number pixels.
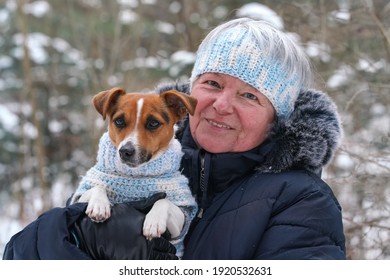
[
  {"x": 164, "y": 214},
  {"x": 99, "y": 207}
]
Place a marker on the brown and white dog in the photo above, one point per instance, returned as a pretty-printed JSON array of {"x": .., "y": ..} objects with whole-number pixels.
[{"x": 141, "y": 128}]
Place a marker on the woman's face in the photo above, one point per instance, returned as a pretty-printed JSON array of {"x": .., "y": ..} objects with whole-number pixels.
[{"x": 231, "y": 116}]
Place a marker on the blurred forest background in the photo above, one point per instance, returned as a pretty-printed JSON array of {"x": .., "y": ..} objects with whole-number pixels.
[{"x": 55, "y": 55}]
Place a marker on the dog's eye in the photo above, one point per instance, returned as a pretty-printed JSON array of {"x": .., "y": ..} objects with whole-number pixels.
[
  {"x": 120, "y": 122},
  {"x": 152, "y": 124}
]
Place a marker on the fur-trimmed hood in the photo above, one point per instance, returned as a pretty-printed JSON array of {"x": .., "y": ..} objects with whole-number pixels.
[{"x": 307, "y": 139}]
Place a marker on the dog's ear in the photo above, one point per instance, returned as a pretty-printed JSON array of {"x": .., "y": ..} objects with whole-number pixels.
[
  {"x": 104, "y": 101},
  {"x": 180, "y": 103}
]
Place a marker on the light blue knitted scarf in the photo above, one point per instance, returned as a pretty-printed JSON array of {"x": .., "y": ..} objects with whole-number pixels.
[{"x": 125, "y": 184}]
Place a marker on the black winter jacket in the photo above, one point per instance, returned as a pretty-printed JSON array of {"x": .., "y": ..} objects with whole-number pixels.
[{"x": 268, "y": 203}]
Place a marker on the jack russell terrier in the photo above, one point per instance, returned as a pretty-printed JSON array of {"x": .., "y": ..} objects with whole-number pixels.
[{"x": 139, "y": 157}]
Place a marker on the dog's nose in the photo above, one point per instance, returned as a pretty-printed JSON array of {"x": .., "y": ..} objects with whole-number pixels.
[{"x": 126, "y": 152}]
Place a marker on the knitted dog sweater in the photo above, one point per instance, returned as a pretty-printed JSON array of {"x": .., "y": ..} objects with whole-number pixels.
[{"x": 125, "y": 184}]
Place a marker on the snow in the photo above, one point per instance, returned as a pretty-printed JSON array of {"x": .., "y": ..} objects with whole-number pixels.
[
  {"x": 220, "y": 12},
  {"x": 61, "y": 188},
  {"x": 176, "y": 62},
  {"x": 319, "y": 50},
  {"x": 344, "y": 161},
  {"x": 165, "y": 27},
  {"x": 378, "y": 109},
  {"x": 261, "y": 12},
  {"x": 128, "y": 3},
  {"x": 55, "y": 126},
  {"x": 370, "y": 66},
  {"x": 4, "y": 16},
  {"x": 184, "y": 57},
  {"x": 60, "y": 44},
  {"x": 179, "y": 60},
  {"x": 340, "y": 77},
  {"x": 57, "y": 101},
  {"x": 37, "y": 8},
  {"x": 127, "y": 16},
  {"x": 175, "y": 7},
  {"x": 8, "y": 119},
  {"x": 36, "y": 43},
  {"x": 146, "y": 62},
  {"x": 30, "y": 131},
  {"x": 341, "y": 15},
  {"x": 148, "y": 2}
]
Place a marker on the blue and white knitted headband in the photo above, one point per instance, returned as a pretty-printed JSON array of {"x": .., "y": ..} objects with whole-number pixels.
[{"x": 236, "y": 51}]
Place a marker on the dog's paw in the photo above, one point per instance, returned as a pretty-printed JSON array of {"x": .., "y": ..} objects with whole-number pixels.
[
  {"x": 155, "y": 224},
  {"x": 98, "y": 210}
]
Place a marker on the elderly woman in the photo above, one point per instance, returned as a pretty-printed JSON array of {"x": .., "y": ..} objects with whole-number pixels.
[
  {"x": 255, "y": 148},
  {"x": 253, "y": 153}
]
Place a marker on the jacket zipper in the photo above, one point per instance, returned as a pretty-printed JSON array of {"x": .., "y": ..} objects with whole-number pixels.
[{"x": 202, "y": 183}]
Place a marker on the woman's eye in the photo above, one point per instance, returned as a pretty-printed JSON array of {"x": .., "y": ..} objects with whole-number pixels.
[
  {"x": 250, "y": 96},
  {"x": 120, "y": 122},
  {"x": 213, "y": 83}
]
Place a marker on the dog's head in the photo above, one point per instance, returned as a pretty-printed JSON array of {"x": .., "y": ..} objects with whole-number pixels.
[{"x": 142, "y": 125}]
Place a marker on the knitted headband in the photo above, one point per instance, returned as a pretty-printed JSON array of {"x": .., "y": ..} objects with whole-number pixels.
[{"x": 241, "y": 51}]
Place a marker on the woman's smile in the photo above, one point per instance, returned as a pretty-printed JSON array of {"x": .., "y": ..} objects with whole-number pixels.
[{"x": 218, "y": 124}]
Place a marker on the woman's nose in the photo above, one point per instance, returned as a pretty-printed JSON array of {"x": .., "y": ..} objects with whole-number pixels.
[{"x": 224, "y": 103}]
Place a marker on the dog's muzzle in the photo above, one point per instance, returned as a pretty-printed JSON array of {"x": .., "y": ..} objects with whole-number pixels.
[{"x": 133, "y": 157}]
